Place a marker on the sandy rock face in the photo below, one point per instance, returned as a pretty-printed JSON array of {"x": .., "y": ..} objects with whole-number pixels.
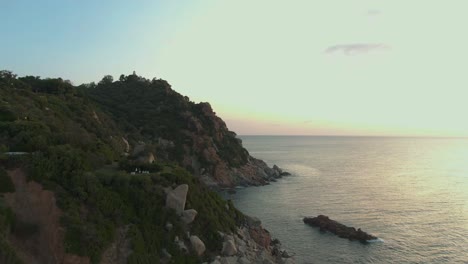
[
  {"x": 119, "y": 251},
  {"x": 34, "y": 205}
]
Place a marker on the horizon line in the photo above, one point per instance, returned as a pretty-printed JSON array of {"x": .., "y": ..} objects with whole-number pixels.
[{"x": 387, "y": 136}]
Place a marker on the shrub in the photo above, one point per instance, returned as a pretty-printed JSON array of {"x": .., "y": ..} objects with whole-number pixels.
[{"x": 6, "y": 185}]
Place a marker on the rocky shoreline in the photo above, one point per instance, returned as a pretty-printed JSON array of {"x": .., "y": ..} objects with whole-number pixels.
[{"x": 251, "y": 243}]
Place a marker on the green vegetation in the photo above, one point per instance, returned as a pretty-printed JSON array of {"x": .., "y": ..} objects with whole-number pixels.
[
  {"x": 152, "y": 110},
  {"x": 7, "y": 254},
  {"x": 74, "y": 134},
  {"x": 6, "y": 185}
]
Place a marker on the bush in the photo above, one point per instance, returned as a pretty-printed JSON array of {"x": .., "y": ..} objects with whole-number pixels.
[{"x": 6, "y": 185}]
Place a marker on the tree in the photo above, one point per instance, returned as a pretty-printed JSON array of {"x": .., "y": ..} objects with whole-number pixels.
[
  {"x": 7, "y": 75},
  {"x": 108, "y": 79}
]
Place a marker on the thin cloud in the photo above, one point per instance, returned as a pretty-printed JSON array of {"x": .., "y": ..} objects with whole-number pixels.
[
  {"x": 373, "y": 12},
  {"x": 356, "y": 49}
]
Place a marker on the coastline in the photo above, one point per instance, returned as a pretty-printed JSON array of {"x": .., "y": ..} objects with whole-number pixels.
[{"x": 271, "y": 248}]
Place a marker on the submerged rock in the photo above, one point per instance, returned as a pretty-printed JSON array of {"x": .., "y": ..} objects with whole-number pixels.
[{"x": 326, "y": 224}]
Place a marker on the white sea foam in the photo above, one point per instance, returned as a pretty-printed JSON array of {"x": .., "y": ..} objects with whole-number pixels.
[{"x": 377, "y": 240}]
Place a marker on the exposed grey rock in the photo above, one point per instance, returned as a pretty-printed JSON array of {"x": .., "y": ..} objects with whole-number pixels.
[
  {"x": 197, "y": 245},
  {"x": 176, "y": 198},
  {"x": 239, "y": 241},
  {"x": 127, "y": 146},
  {"x": 253, "y": 221},
  {"x": 228, "y": 238},
  {"x": 166, "y": 254},
  {"x": 287, "y": 261},
  {"x": 229, "y": 248},
  {"x": 243, "y": 260},
  {"x": 168, "y": 226},
  {"x": 183, "y": 248},
  {"x": 276, "y": 168},
  {"x": 241, "y": 250},
  {"x": 229, "y": 260},
  {"x": 189, "y": 215}
]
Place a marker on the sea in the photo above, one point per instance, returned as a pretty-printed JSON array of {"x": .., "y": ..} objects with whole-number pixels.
[{"x": 412, "y": 193}]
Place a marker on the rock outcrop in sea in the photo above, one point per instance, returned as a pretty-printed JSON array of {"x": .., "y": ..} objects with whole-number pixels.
[{"x": 343, "y": 231}]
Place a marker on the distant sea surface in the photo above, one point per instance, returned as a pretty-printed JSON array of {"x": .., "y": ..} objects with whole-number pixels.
[{"x": 410, "y": 192}]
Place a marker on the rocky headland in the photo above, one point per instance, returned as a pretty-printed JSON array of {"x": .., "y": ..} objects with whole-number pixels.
[{"x": 122, "y": 171}]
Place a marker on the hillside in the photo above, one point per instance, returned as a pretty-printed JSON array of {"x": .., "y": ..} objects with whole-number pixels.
[
  {"x": 87, "y": 172},
  {"x": 175, "y": 129}
]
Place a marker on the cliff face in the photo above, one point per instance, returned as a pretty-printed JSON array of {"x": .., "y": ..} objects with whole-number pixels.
[{"x": 226, "y": 163}]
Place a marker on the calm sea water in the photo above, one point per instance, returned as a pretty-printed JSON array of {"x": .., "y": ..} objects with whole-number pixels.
[{"x": 410, "y": 192}]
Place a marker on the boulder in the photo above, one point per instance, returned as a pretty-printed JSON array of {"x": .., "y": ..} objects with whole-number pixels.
[
  {"x": 181, "y": 245},
  {"x": 229, "y": 260},
  {"x": 277, "y": 170},
  {"x": 166, "y": 254},
  {"x": 197, "y": 245},
  {"x": 244, "y": 260},
  {"x": 287, "y": 261},
  {"x": 189, "y": 215},
  {"x": 229, "y": 248},
  {"x": 252, "y": 221},
  {"x": 176, "y": 198},
  {"x": 261, "y": 236},
  {"x": 168, "y": 226},
  {"x": 326, "y": 224},
  {"x": 127, "y": 146}
]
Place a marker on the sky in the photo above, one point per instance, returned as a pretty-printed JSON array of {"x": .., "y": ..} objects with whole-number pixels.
[{"x": 268, "y": 67}]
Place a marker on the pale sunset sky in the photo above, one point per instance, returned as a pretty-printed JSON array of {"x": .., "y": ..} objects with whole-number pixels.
[{"x": 270, "y": 67}]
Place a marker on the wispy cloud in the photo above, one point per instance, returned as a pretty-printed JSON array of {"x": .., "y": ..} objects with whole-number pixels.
[
  {"x": 357, "y": 48},
  {"x": 373, "y": 12}
]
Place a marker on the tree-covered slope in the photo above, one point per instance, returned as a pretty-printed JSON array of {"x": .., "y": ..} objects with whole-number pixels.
[
  {"x": 156, "y": 112},
  {"x": 175, "y": 129}
]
